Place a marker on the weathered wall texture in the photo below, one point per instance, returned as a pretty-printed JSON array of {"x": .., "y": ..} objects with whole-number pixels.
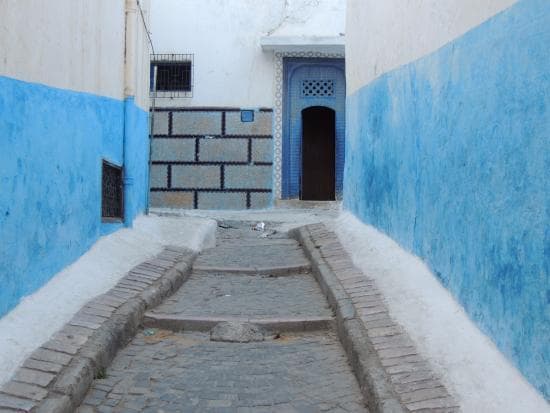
[
  {"x": 449, "y": 155},
  {"x": 63, "y": 108},
  {"x": 61, "y": 43},
  {"x": 210, "y": 159},
  {"x": 384, "y": 35},
  {"x": 231, "y": 70}
]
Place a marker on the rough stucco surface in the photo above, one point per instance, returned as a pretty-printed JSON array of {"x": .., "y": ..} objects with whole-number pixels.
[
  {"x": 51, "y": 146},
  {"x": 384, "y": 35},
  {"x": 71, "y": 51},
  {"x": 449, "y": 156}
]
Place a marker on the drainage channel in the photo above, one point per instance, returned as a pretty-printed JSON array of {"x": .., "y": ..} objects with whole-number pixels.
[{"x": 249, "y": 331}]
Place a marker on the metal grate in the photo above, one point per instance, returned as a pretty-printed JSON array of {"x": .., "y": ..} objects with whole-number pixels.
[
  {"x": 317, "y": 88},
  {"x": 174, "y": 75},
  {"x": 112, "y": 207}
]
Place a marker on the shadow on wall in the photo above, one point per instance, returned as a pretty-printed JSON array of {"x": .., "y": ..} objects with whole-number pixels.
[{"x": 449, "y": 156}]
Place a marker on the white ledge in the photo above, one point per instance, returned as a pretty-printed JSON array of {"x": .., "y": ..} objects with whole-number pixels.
[{"x": 328, "y": 44}]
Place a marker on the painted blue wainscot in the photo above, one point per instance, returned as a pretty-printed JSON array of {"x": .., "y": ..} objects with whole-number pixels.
[
  {"x": 449, "y": 155},
  {"x": 52, "y": 143}
]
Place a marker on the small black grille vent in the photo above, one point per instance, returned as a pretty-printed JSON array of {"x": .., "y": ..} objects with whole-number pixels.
[
  {"x": 112, "y": 207},
  {"x": 317, "y": 88}
]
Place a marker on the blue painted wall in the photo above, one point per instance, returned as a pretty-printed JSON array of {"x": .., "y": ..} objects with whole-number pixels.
[
  {"x": 449, "y": 155},
  {"x": 52, "y": 143}
]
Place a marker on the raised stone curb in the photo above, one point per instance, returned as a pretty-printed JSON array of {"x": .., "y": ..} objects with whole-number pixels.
[
  {"x": 57, "y": 376},
  {"x": 392, "y": 375}
]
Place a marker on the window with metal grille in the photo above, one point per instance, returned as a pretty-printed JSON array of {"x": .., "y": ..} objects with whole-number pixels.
[
  {"x": 174, "y": 75},
  {"x": 112, "y": 206},
  {"x": 317, "y": 88}
]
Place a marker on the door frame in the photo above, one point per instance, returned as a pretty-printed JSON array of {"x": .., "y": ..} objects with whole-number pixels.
[{"x": 292, "y": 127}]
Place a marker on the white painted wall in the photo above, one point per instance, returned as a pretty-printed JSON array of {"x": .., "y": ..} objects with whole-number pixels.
[
  {"x": 383, "y": 35},
  {"x": 73, "y": 44},
  {"x": 224, "y": 35},
  {"x": 62, "y": 43},
  {"x": 137, "y": 62}
]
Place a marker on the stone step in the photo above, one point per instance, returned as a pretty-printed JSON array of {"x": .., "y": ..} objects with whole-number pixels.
[
  {"x": 207, "y": 323},
  {"x": 276, "y": 270},
  {"x": 219, "y": 295},
  {"x": 277, "y": 257}
]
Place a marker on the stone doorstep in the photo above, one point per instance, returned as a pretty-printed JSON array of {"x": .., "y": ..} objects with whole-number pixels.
[
  {"x": 392, "y": 376},
  {"x": 56, "y": 376},
  {"x": 204, "y": 324}
]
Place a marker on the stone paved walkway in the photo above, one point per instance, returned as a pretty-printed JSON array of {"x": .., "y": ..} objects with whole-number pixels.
[{"x": 165, "y": 371}]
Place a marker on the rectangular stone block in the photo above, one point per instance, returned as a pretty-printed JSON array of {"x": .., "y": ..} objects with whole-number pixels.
[
  {"x": 261, "y": 125},
  {"x": 167, "y": 149},
  {"x": 196, "y": 176},
  {"x": 45, "y": 366},
  {"x": 171, "y": 199},
  {"x": 15, "y": 403},
  {"x": 262, "y": 150},
  {"x": 223, "y": 150},
  {"x": 260, "y": 199},
  {"x": 222, "y": 200},
  {"x": 34, "y": 377},
  {"x": 26, "y": 391},
  {"x": 160, "y": 126},
  {"x": 159, "y": 176},
  {"x": 248, "y": 176},
  {"x": 196, "y": 123},
  {"x": 51, "y": 356}
]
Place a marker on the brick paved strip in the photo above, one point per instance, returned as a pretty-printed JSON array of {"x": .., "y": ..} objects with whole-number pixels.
[
  {"x": 391, "y": 374},
  {"x": 57, "y": 376}
]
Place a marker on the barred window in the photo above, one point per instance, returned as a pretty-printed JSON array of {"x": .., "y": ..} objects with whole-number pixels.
[
  {"x": 112, "y": 207},
  {"x": 174, "y": 75}
]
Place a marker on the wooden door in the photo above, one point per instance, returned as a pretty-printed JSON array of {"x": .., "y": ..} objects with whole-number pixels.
[{"x": 318, "y": 154}]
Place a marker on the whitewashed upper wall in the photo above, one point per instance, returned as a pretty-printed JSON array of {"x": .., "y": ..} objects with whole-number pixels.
[
  {"x": 383, "y": 35},
  {"x": 224, "y": 35},
  {"x": 137, "y": 51},
  {"x": 69, "y": 44}
]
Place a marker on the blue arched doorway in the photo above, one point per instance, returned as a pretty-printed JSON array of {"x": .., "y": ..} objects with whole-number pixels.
[{"x": 311, "y": 83}]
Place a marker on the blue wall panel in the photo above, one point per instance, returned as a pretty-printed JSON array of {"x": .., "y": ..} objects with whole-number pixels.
[
  {"x": 52, "y": 142},
  {"x": 449, "y": 155}
]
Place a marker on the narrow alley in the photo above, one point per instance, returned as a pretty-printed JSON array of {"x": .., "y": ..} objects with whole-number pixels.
[{"x": 249, "y": 331}]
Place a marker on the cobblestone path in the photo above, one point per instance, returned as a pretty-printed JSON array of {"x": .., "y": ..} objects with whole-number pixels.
[{"x": 246, "y": 276}]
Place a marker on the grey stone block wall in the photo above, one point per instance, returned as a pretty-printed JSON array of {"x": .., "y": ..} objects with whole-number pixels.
[
  {"x": 223, "y": 150},
  {"x": 210, "y": 159},
  {"x": 221, "y": 200},
  {"x": 166, "y": 149},
  {"x": 247, "y": 176},
  {"x": 196, "y": 123},
  {"x": 196, "y": 176}
]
